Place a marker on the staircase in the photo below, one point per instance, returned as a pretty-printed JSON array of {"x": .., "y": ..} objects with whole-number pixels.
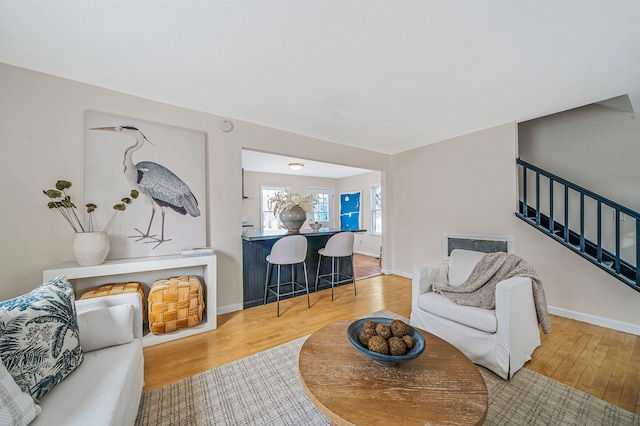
[{"x": 598, "y": 229}]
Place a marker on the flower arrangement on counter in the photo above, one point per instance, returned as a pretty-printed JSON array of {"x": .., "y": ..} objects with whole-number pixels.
[
  {"x": 283, "y": 201},
  {"x": 61, "y": 201}
]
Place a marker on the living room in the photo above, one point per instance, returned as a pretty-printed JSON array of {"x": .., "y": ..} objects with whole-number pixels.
[{"x": 428, "y": 189}]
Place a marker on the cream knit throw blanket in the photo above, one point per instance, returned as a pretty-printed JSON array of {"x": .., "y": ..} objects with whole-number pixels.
[{"x": 480, "y": 288}]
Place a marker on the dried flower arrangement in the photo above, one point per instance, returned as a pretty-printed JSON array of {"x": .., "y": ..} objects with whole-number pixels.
[
  {"x": 285, "y": 200},
  {"x": 62, "y": 202}
]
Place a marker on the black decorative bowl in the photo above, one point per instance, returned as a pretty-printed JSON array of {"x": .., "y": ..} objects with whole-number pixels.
[{"x": 385, "y": 360}]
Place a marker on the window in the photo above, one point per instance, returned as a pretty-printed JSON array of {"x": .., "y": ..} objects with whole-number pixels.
[
  {"x": 268, "y": 219},
  {"x": 323, "y": 206},
  {"x": 376, "y": 209}
]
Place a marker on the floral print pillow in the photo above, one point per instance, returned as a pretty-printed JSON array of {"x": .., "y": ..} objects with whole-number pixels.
[{"x": 39, "y": 339}]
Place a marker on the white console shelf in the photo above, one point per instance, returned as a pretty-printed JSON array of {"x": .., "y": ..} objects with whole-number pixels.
[{"x": 146, "y": 270}]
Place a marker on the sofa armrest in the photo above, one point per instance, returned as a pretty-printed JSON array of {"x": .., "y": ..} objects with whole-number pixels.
[
  {"x": 424, "y": 277},
  {"x": 133, "y": 299},
  {"x": 517, "y": 318},
  {"x": 514, "y": 304}
]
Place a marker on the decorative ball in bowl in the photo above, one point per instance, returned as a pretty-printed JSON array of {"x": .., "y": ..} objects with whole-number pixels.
[
  {"x": 393, "y": 333},
  {"x": 315, "y": 226}
]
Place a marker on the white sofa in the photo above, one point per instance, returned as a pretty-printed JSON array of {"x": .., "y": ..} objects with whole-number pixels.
[
  {"x": 501, "y": 339},
  {"x": 106, "y": 388}
]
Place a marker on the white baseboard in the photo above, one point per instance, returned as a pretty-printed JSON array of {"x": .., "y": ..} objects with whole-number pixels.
[
  {"x": 596, "y": 320},
  {"x": 229, "y": 308},
  {"x": 364, "y": 253},
  {"x": 399, "y": 273}
]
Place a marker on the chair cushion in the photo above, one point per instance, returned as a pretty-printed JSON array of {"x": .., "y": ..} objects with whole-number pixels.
[
  {"x": 470, "y": 316},
  {"x": 461, "y": 263}
]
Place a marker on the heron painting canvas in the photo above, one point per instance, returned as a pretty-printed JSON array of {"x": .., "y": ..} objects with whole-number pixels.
[{"x": 165, "y": 164}]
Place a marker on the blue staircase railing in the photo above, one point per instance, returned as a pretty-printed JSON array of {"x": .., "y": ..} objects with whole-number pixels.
[{"x": 546, "y": 219}]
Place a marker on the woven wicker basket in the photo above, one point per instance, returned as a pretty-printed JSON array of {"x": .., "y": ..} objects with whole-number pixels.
[
  {"x": 175, "y": 303},
  {"x": 117, "y": 288}
]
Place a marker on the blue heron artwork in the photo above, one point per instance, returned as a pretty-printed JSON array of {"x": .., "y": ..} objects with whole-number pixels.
[{"x": 165, "y": 164}]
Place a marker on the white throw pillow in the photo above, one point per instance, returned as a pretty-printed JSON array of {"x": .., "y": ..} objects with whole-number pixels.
[
  {"x": 16, "y": 407},
  {"x": 104, "y": 327}
]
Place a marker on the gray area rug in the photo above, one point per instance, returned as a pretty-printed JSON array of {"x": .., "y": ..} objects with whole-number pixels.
[{"x": 265, "y": 389}]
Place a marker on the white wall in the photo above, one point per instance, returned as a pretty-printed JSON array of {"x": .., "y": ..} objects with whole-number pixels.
[
  {"x": 42, "y": 141},
  {"x": 464, "y": 186},
  {"x": 468, "y": 185}
]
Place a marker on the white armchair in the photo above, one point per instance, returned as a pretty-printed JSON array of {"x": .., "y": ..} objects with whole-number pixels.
[{"x": 500, "y": 339}]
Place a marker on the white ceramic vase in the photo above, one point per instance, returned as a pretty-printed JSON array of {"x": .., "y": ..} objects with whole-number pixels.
[{"x": 91, "y": 248}]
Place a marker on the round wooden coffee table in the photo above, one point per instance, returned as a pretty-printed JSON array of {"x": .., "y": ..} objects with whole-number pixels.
[{"x": 441, "y": 386}]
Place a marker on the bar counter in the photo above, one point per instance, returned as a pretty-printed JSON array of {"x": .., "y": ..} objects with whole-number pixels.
[{"x": 256, "y": 246}]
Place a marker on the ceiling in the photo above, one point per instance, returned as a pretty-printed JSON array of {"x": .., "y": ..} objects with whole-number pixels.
[
  {"x": 383, "y": 75},
  {"x": 270, "y": 163}
]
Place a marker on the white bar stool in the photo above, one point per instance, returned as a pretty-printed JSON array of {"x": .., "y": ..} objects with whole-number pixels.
[
  {"x": 289, "y": 250},
  {"x": 338, "y": 246}
]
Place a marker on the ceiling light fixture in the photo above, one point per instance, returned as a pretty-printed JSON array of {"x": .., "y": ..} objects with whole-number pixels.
[{"x": 296, "y": 166}]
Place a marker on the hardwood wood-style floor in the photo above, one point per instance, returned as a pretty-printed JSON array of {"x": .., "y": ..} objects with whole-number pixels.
[
  {"x": 366, "y": 266},
  {"x": 595, "y": 360}
]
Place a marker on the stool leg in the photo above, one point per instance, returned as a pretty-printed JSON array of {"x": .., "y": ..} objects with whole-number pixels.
[
  {"x": 353, "y": 275},
  {"x": 318, "y": 273},
  {"x": 266, "y": 284},
  {"x": 278, "y": 294},
  {"x": 306, "y": 281},
  {"x": 293, "y": 278},
  {"x": 333, "y": 271}
]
